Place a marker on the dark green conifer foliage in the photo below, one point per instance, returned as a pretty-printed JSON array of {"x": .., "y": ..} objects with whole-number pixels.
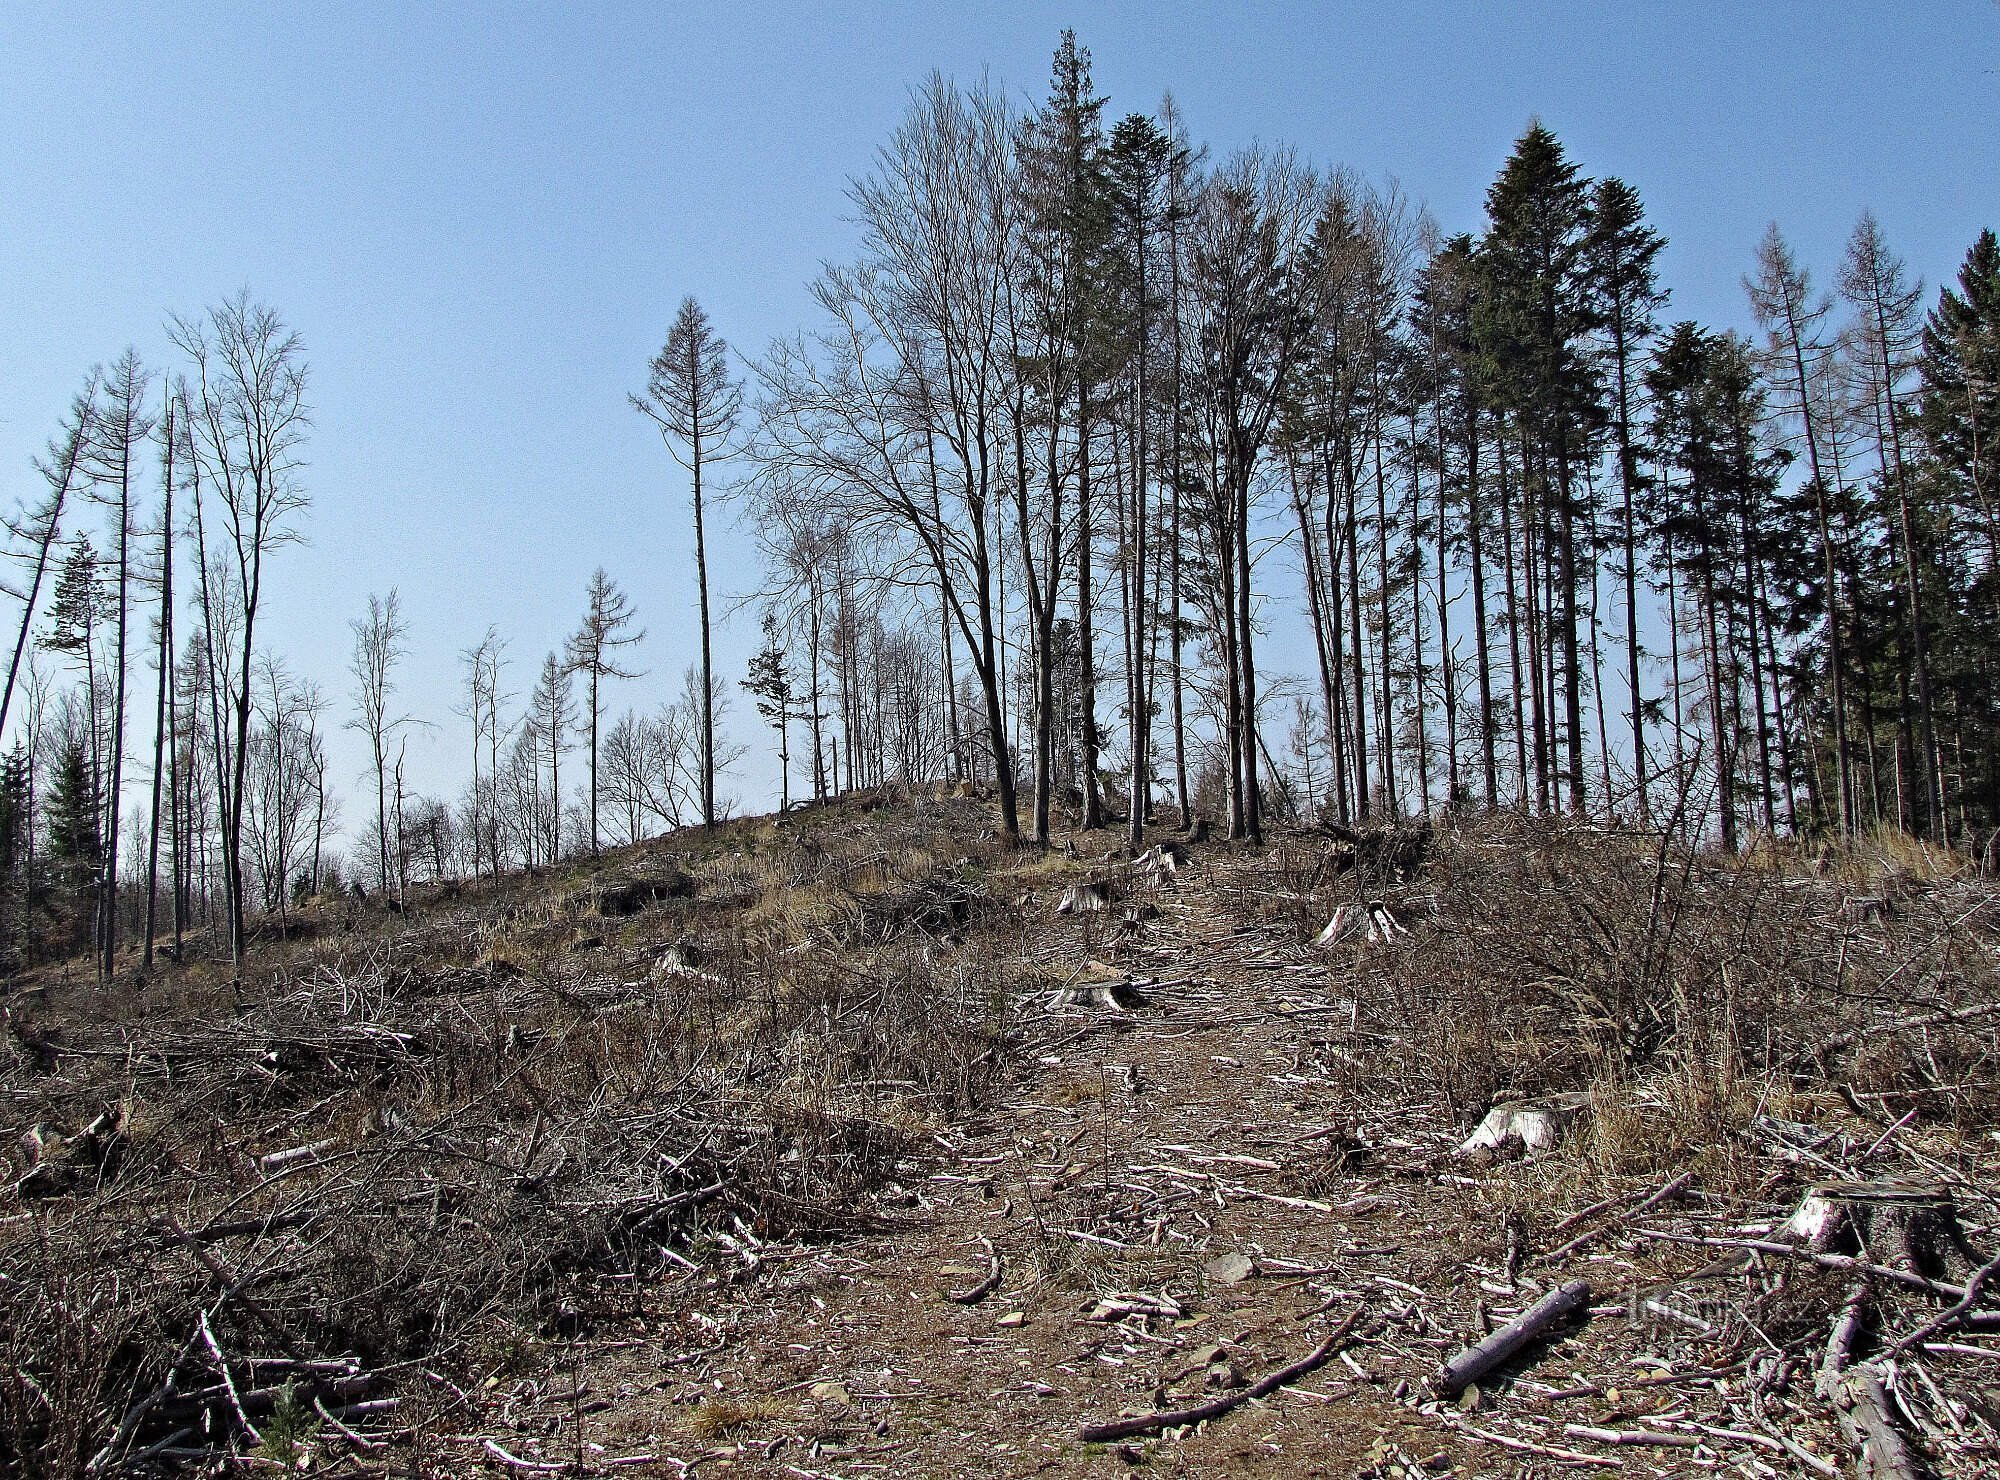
[
  {"x": 1535, "y": 322},
  {"x": 1622, "y": 253},
  {"x": 75, "y": 848}
]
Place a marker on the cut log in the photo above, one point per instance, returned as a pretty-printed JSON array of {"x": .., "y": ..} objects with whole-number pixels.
[
  {"x": 1911, "y": 1226},
  {"x": 1523, "y": 1127},
  {"x": 1477, "y": 1362}
]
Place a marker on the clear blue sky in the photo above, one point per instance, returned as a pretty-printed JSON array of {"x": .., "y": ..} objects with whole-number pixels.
[{"x": 482, "y": 217}]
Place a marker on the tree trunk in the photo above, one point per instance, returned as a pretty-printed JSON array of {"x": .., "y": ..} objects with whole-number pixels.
[
  {"x": 707, "y": 666},
  {"x": 161, "y": 726}
]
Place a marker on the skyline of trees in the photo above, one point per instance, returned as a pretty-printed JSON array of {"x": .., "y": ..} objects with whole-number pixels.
[{"x": 1099, "y": 459}]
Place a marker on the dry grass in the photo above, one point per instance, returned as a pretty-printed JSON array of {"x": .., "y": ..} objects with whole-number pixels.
[
  {"x": 443, "y": 1136},
  {"x": 721, "y": 1418},
  {"x": 1687, "y": 993}
]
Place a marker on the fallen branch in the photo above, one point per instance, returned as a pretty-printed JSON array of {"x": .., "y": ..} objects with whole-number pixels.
[
  {"x": 1944, "y": 1318},
  {"x": 1550, "y": 1451},
  {"x": 514, "y": 1461},
  {"x": 1831, "y": 1261},
  {"x": 1659, "y": 1195},
  {"x": 1839, "y": 1041},
  {"x": 1149, "y": 1423},
  {"x": 1631, "y": 1436},
  {"x": 986, "y": 1286},
  {"x": 1561, "y": 1304}
]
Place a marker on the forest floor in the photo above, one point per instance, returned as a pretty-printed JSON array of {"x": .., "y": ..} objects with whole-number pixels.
[{"x": 988, "y": 1172}]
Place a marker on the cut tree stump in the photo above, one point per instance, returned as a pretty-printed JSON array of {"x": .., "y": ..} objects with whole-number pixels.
[
  {"x": 1374, "y": 922},
  {"x": 1526, "y": 1127},
  {"x": 1109, "y": 996},
  {"x": 1912, "y": 1226},
  {"x": 1086, "y": 899},
  {"x": 58, "y": 1164},
  {"x": 617, "y": 899}
]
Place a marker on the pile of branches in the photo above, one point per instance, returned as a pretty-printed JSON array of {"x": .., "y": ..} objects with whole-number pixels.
[
  {"x": 337, "y": 1200},
  {"x": 1785, "y": 1077}
]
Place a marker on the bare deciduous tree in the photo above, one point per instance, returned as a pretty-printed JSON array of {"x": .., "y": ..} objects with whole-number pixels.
[
  {"x": 248, "y": 420},
  {"x": 379, "y": 644},
  {"x": 593, "y": 649}
]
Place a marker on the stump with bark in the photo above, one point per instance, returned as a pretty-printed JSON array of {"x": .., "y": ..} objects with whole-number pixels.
[
  {"x": 1911, "y": 1226},
  {"x": 1087, "y": 899}
]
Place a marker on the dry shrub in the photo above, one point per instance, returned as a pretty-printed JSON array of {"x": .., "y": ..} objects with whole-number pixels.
[
  {"x": 1552, "y": 955},
  {"x": 62, "y": 1333},
  {"x": 517, "y": 1136}
]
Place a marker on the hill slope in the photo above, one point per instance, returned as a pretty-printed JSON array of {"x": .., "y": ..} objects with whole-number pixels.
[{"x": 835, "y": 1146}]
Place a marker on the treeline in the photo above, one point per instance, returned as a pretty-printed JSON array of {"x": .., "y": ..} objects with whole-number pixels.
[
  {"x": 1091, "y": 425},
  {"x": 1554, "y": 550}
]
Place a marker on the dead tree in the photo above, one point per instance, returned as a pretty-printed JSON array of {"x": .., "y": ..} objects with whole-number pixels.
[{"x": 695, "y": 403}]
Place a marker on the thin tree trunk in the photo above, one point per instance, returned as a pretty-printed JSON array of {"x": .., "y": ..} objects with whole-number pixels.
[
  {"x": 160, "y": 716},
  {"x": 707, "y": 655}
]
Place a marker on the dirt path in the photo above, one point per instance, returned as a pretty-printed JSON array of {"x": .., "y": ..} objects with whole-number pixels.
[{"x": 1144, "y": 1148}]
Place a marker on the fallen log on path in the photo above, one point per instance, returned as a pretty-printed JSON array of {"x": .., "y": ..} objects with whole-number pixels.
[
  {"x": 1558, "y": 1307},
  {"x": 1152, "y": 1423},
  {"x": 1860, "y": 1402}
]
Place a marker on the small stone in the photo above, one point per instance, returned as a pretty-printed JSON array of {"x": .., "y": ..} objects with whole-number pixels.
[
  {"x": 1013, "y": 1318},
  {"x": 1224, "y": 1376},
  {"x": 1230, "y": 1269},
  {"x": 831, "y": 1392}
]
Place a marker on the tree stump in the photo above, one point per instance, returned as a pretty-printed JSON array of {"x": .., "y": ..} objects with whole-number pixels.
[
  {"x": 1373, "y": 922},
  {"x": 1086, "y": 899},
  {"x": 1108, "y": 996},
  {"x": 1523, "y": 1127},
  {"x": 1911, "y": 1226}
]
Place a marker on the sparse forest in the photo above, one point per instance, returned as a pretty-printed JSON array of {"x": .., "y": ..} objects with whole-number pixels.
[
  {"x": 1090, "y": 417},
  {"x": 1404, "y": 646}
]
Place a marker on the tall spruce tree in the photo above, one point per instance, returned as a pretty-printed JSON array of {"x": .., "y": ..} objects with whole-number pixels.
[
  {"x": 1622, "y": 257},
  {"x": 1535, "y": 320},
  {"x": 695, "y": 402}
]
